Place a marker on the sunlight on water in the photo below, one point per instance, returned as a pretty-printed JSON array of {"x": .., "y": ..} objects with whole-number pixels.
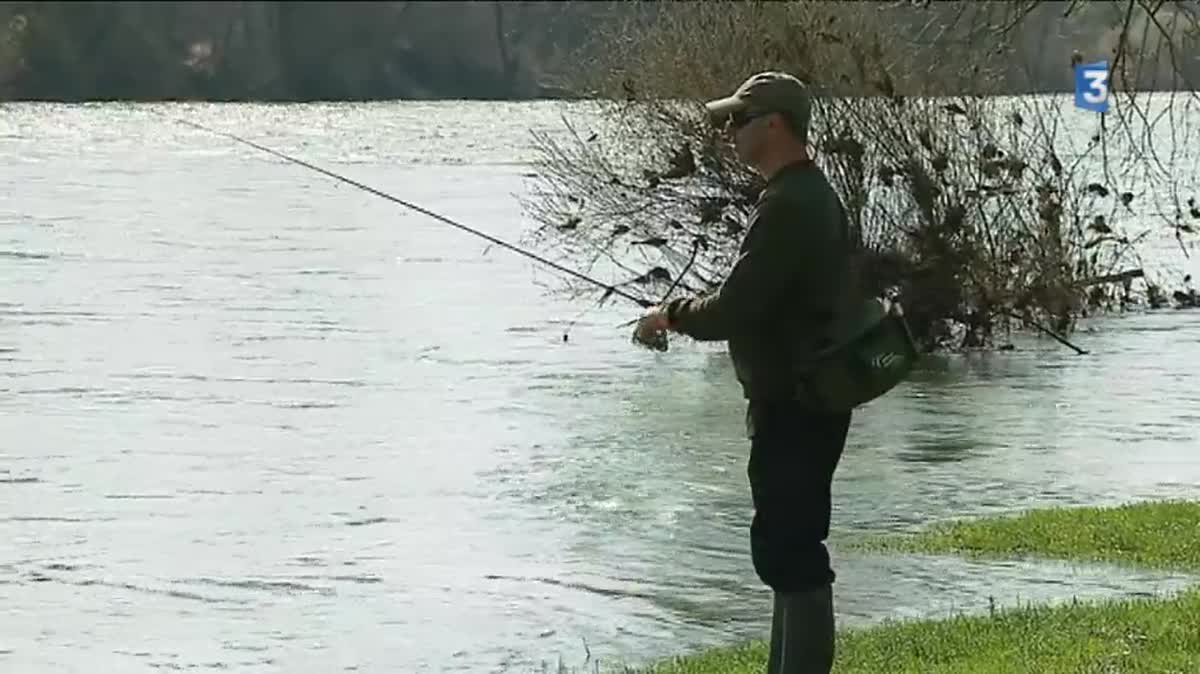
[{"x": 255, "y": 419}]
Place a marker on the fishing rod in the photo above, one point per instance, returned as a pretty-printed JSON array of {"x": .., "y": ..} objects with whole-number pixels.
[{"x": 608, "y": 288}]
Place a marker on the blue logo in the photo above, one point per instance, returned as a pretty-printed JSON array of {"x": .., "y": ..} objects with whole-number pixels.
[{"x": 1091, "y": 86}]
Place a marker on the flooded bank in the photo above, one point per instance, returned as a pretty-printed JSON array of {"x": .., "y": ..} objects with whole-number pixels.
[{"x": 251, "y": 418}]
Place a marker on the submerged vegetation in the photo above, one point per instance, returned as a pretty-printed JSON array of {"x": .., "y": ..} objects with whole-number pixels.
[{"x": 982, "y": 213}]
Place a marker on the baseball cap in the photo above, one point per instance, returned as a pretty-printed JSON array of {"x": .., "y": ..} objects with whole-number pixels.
[{"x": 765, "y": 92}]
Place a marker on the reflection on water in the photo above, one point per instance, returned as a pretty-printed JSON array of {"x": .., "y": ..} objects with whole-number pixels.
[{"x": 252, "y": 419}]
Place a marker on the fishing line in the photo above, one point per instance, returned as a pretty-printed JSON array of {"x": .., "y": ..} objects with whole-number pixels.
[
  {"x": 566, "y": 337},
  {"x": 609, "y": 289},
  {"x": 696, "y": 246}
]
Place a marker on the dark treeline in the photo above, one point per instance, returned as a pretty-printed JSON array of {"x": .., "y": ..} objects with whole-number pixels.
[
  {"x": 284, "y": 50},
  {"x": 388, "y": 50}
]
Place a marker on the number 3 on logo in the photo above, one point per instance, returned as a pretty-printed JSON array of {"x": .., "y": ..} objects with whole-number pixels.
[{"x": 1091, "y": 86}]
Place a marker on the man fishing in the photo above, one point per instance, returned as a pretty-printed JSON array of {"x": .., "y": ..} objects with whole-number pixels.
[
  {"x": 802, "y": 353},
  {"x": 785, "y": 299}
]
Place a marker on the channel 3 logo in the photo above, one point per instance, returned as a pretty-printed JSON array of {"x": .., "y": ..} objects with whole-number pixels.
[{"x": 1091, "y": 86}]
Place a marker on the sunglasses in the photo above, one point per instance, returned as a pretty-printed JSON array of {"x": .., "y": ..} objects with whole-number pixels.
[{"x": 740, "y": 119}]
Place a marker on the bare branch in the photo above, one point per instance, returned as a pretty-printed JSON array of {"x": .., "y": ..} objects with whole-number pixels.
[{"x": 981, "y": 213}]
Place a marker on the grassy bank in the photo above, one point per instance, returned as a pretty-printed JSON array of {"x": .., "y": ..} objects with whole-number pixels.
[
  {"x": 1156, "y": 534},
  {"x": 1134, "y": 635},
  {"x": 1142, "y": 635}
]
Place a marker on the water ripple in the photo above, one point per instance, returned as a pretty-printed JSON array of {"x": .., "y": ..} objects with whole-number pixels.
[{"x": 206, "y": 390}]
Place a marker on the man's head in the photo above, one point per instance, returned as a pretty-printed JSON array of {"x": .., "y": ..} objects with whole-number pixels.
[{"x": 767, "y": 117}]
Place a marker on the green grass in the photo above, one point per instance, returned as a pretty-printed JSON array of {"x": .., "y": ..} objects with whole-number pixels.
[
  {"x": 1157, "y": 534},
  {"x": 1138, "y": 635},
  {"x": 1159, "y": 635}
]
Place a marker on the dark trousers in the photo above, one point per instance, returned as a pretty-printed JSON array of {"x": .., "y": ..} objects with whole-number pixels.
[{"x": 793, "y": 456}]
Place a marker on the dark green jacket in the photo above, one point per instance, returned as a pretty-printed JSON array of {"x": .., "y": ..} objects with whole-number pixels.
[{"x": 789, "y": 291}]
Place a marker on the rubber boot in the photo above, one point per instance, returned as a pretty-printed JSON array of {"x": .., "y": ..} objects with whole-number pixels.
[{"x": 802, "y": 632}]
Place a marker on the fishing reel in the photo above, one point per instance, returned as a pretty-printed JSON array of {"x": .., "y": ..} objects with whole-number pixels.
[{"x": 658, "y": 341}]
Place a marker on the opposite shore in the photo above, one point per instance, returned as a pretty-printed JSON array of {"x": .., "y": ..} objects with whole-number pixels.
[{"x": 325, "y": 51}]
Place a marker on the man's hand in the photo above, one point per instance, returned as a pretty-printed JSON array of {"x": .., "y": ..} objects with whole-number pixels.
[{"x": 651, "y": 329}]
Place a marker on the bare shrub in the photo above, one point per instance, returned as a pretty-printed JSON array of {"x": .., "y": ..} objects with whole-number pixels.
[{"x": 978, "y": 210}]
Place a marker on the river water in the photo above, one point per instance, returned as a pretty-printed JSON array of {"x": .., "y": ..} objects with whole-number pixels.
[{"x": 252, "y": 419}]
